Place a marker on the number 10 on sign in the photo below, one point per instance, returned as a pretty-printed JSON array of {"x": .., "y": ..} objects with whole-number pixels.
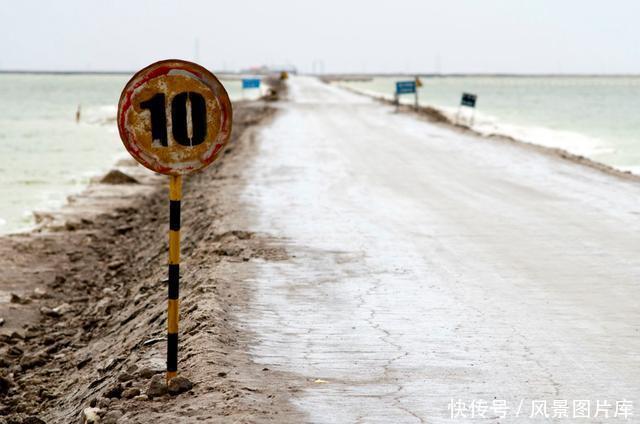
[{"x": 174, "y": 117}]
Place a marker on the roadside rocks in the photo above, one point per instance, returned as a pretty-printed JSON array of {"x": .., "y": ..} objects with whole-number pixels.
[
  {"x": 118, "y": 177},
  {"x": 124, "y": 229},
  {"x": 48, "y": 312},
  {"x": 179, "y": 385},
  {"x": 157, "y": 387},
  {"x": 56, "y": 312},
  {"x": 58, "y": 281},
  {"x": 103, "y": 403},
  {"x": 39, "y": 293},
  {"x": 31, "y": 361},
  {"x": 14, "y": 351},
  {"x": 33, "y": 420},
  {"x": 115, "y": 264},
  {"x": 131, "y": 393},
  {"x": 112, "y": 417},
  {"x": 125, "y": 377},
  {"x": 20, "y": 300},
  {"x": 62, "y": 309},
  {"x": 4, "y": 361},
  {"x": 114, "y": 391},
  {"x": 83, "y": 361},
  {"x": 5, "y": 384},
  {"x": 90, "y": 415},
  {"x": 147, "y": 373}
]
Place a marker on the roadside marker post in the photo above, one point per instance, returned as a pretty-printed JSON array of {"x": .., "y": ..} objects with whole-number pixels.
[
  {"x": 418, "y": 85},
  {"x": 407, "y": 87},
  {"x": 175, "y": 197},
  {"x": 174, "y": 118},
  {"x": 467, "y": 100}
]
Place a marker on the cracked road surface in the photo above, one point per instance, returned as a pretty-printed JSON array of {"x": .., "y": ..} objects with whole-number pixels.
[{"x": 429, "y": 265}]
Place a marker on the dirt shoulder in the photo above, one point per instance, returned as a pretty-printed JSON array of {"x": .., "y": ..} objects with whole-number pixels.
[{"x": 87, "y": 327}]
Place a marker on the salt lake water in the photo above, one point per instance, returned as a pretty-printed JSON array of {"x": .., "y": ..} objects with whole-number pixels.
[
  {"x": 45, "y": 155},
  {"x": 598, "y": 117}
]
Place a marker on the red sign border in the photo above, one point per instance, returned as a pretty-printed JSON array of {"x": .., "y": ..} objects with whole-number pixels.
[{"x": 160, "y": 68}]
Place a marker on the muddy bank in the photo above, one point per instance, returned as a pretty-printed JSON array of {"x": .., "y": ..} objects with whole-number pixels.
[
  {"x": 86, "y": 328},
  {"x": 434, "y": 115}
]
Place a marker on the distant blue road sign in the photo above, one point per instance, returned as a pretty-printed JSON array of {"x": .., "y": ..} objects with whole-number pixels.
[
  {"x": 405, "y": 87},
  {"x": 250, "y": 83}
]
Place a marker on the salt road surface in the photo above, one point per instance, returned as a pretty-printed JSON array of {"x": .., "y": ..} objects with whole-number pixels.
[{"x": 428, "y": 265}]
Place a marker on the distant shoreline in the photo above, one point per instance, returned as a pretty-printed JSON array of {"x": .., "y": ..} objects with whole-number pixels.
[
  {"x": 29, "y": 72},
  {"x": 343, "y": 76}
]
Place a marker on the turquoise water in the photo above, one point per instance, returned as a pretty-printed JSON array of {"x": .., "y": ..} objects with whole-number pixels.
[
  {"x": 44, "y": 154},
  {"x": 597, "y": 117}
]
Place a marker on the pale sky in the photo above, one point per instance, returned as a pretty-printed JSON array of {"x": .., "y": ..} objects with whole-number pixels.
[{"x": 451, "y": 36}]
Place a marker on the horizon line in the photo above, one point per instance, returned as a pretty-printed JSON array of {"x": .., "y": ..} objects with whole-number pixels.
[{"x": 338, "y": 74}]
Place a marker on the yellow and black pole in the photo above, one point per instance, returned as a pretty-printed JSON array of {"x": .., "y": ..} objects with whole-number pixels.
[
  {"x": 175, "y": 196},
  {"x": 174, "y": 132}
]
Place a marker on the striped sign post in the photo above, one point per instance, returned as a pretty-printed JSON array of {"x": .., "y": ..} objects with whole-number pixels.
[
  {"x": 175, "y": 196},
  {"x": 174, "y": 118}
]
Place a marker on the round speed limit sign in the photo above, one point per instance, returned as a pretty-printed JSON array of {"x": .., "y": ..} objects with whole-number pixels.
[{"x": 174, "y": 117}]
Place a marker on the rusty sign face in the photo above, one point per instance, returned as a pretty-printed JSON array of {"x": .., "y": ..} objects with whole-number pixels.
[{"x": 174, "y": 117}]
